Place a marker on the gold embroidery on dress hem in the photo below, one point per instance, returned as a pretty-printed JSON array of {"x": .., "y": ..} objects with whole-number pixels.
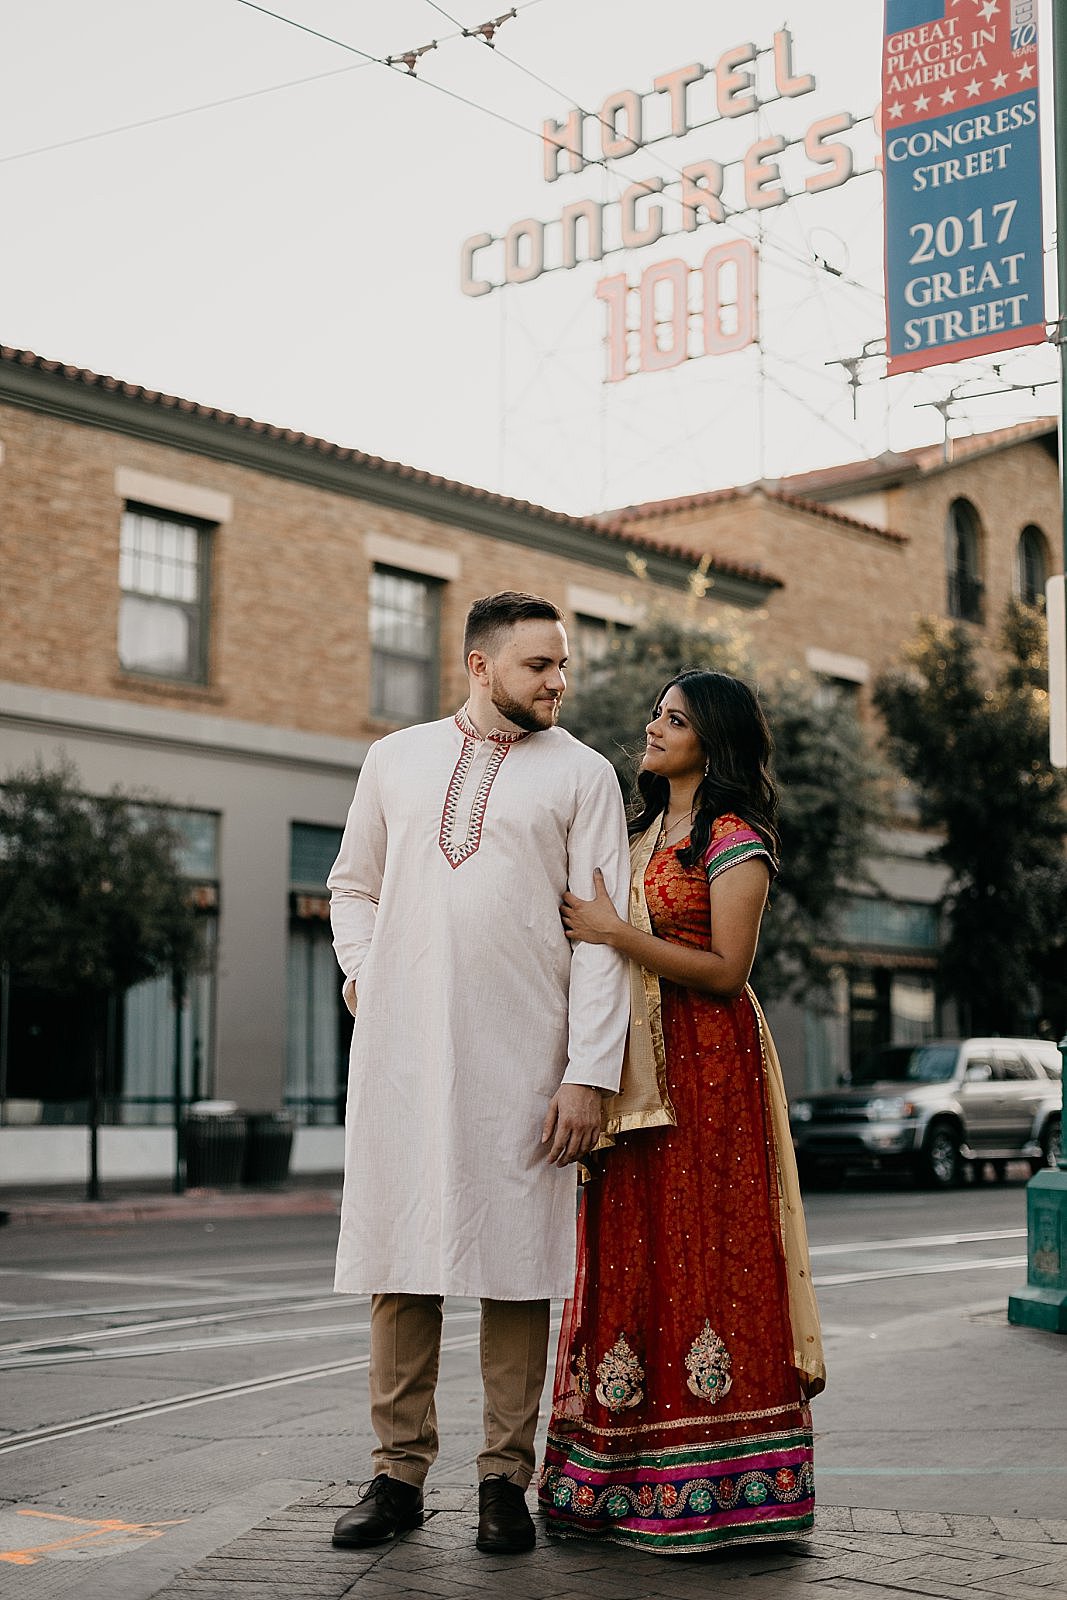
[
  {"x": 679, "y": 1454},
  {"x": 709, "y": 1364},
  {"x": 689, "y": 1422},
  {"x": 581, "y": 1375},
  {"x": 620, "y": 1375}
]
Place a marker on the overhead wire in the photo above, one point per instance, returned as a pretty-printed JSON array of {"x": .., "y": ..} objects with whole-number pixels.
[
  {"x": 367, "y": 60},
  {"x": 730, "y": 212},
  {"x": 315, "y": 33},
  {"x": 187, "y": 111},
  {"x": 604, "y": 162},
  {"x": 446, "y": 14},
  {"x": 392, "y": 64}
]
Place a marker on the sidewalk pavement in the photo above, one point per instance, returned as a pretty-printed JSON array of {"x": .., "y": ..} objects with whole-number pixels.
[
  {"x": 876, "y": 1555},
  {"x": 66, "y": 1205},
  {"x": 853, "y": 1552}
]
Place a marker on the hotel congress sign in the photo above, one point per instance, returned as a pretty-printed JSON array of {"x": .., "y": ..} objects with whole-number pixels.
[{"x": 744, "y": 80}]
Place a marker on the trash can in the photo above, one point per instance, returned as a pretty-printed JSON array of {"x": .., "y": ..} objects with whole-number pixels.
[
  {"x": 214, "y": 1135},
  {"x": 268, "y": 1147}
]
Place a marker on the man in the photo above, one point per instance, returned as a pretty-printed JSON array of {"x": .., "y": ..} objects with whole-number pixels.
[{"x": 480, "y": 1049}]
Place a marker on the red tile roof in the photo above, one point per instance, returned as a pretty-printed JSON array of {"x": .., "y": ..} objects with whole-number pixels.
[
  {"x": 604, "y": 528},
  {"x": 803, "y": 489},
  {"x": 912, "y": 463},
  {"x": 650, "y": 510}
]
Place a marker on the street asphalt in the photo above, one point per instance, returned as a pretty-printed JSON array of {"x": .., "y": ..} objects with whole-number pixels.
[{"x": 939, "y": 1461}]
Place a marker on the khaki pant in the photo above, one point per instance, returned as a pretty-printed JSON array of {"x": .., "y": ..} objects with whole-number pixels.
[{"x": 405, "y": 1351}]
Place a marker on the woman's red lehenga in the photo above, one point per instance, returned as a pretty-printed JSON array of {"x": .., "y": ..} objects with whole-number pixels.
[{"x": 678, "y": 1422}]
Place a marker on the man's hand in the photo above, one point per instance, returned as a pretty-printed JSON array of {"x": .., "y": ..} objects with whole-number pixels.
[{"x": 572, "y": 1125}]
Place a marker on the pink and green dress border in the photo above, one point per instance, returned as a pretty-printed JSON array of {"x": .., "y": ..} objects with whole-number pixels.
[{"x": 690, "y": 1498}]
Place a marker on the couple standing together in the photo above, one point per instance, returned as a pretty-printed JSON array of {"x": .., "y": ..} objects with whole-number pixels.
[{"x": 509, "y": 948}]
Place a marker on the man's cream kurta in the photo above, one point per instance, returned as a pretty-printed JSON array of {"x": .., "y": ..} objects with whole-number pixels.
[{"x": 472, "y": 1007}]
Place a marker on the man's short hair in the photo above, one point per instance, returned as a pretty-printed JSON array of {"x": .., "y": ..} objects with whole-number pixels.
[{"x": 488, "y": 618}]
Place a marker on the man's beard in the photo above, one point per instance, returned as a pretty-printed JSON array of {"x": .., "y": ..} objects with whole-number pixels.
[{"x": 525, "y": 716}]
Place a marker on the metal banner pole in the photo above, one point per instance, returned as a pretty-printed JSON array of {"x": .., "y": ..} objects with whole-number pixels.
[{"x": 1043, "y": 1302}]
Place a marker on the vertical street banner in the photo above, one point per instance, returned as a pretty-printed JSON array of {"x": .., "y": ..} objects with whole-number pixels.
[{"x": 961, "y": 152}]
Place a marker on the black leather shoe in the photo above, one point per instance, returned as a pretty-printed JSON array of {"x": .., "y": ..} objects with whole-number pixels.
[
  {"x": 505, "y": 1526},
  {"x": 386, "y": 1508}
]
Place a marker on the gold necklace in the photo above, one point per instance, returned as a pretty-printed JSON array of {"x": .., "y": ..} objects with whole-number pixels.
[{"x": 665, "y": 831}]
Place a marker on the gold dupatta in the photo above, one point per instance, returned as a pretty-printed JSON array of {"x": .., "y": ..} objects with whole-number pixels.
[
  {"x": 642, "y": 1100},
  {"x": 803, "y": 1308}
]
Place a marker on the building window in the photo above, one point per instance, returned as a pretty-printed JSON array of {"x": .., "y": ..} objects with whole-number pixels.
[
  {"x": 963, "y": 560},
  {"x": 319, "y": 1026},
  {"x": 1031, "y": 566},
  {"x": 148, "y": 1035},
  {"x": 148, "y": 1032},
  {"x": 404, "y": 617},
  {"x": 838, "y": 678},
  {"x": 592, "y": 641},
  {"x": 830, "y": 692},
  {"x": 886, "y": 1008},
  {"x": 163, "y": 569}
]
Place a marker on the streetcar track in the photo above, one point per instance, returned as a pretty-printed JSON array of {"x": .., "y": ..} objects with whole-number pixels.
[
  {"x": 41, "y": 1313},
  {"x": 146, "y": 1278},
  {"x": 228, "y": 1391},
  {"x": 217, "y": 1300},
  {"x": 39, "y": 1353},
  {"x": 128, "y": 1330},
  {"x": 266, "y": 1292},
  {"x": 925, "y": 1241},
  {"x": 992, "y": 1263},
  {"x": 63, "y": 1357},
  {"x": 302, "y": 1264}
]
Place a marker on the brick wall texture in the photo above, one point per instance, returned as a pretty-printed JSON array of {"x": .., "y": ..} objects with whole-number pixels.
[
  {"x": 858, "y": 592},
  {"x": 289, "y": 640}
]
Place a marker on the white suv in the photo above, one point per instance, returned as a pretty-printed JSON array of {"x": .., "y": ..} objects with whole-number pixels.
[{"x": 931, "y": 1107}]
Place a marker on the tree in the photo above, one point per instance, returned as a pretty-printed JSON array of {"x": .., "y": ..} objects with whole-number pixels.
[
  {"x": 831, "y": 800},
  {"x": 92, "y": 902},
  {"x": 824, "y": 770},
  {"x": 975, "y": 746}
]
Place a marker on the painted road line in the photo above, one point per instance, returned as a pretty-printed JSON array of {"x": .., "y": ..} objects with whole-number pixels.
[
  {"x": 93, "y": 1537},
  {"x": 200, "y": 1397},
  {"x": 926, "y": 1241},
  {"x": 992, "y": 1263}
]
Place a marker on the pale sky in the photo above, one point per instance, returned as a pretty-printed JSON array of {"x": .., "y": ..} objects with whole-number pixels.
[{"x": 295, "y": 255}]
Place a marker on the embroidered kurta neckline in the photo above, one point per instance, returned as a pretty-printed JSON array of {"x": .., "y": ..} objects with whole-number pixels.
[
  {"x": 461, "y": 830},
  {"x": 496, "y": 735}
]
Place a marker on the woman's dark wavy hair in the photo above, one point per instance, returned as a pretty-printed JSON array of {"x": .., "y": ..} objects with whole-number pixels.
[{"x": 729, "y": 722}]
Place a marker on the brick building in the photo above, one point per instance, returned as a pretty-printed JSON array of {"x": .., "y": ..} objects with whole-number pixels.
[
  {"x": 228, "y": 613},
  {"x": 863, "y": 550}
]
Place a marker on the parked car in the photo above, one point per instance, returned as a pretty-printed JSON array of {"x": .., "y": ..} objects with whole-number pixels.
[{"x": 932, "y": 1107}]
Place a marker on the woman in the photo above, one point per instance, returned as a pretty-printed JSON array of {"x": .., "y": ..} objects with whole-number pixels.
[{"x": 688, "y": 1354}]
